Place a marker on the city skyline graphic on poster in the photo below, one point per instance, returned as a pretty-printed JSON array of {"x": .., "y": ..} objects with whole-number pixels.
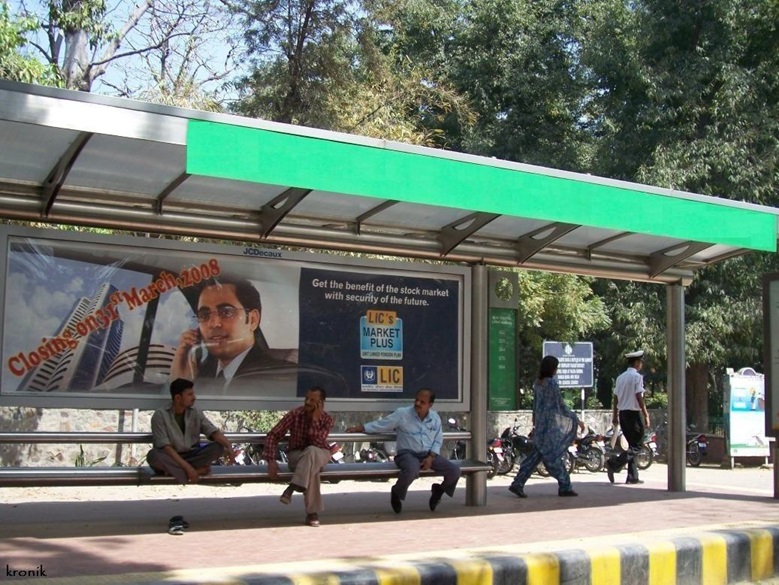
[{"x": 47, "y": 304}]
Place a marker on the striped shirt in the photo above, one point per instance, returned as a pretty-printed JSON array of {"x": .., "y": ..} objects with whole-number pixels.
[{"x": 303, "y": 432}]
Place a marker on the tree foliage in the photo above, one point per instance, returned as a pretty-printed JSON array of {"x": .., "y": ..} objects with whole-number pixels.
[
  {"x": 521, "y": 73},
  {"x": 687, "y": 99},
  {"x": 554, "y": 307},
  {"x": 326, "y": 64},
  {"x": 14, "y": 65}
]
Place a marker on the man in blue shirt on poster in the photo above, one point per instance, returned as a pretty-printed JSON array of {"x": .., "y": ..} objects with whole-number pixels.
[{"x": 419, "y": 440}]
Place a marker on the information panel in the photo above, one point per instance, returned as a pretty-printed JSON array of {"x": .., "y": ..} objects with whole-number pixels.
[
  {"x": 502, "y": 352},
  {"x": 575, "y": 368}
]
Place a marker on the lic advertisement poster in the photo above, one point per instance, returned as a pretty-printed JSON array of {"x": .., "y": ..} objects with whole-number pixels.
[{"x": 108, "y": 322}]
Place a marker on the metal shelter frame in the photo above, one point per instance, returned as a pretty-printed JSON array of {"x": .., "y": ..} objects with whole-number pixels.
[{"x": 81, "y": 159}]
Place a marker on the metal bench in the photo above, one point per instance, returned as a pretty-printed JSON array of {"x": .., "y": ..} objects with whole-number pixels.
[{"x": 221, "y": 474}]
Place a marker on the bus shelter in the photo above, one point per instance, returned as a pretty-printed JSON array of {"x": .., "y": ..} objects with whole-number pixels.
[{"x": 81, "y": 159}]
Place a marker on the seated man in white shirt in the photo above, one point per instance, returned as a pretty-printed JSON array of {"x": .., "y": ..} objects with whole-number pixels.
[{"x": 419, "y": 441}]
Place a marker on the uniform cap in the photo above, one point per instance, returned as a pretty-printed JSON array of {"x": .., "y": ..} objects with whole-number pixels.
[{"x": 635, "y": 354}]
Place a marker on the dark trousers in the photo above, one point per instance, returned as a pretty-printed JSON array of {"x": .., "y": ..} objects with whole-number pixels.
[
  {"x": 200, "y": 456},
  {"x": 633, "y": 428},
  {"x": 409, "y": 464}
]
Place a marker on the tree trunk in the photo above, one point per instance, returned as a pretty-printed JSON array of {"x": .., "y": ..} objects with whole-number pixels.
[
  {"x": 76, "y": 62},
  {"x": 697, "y": 379}
]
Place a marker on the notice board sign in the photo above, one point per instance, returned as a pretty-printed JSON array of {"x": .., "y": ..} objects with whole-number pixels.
[{"x": 575, "y": 368}]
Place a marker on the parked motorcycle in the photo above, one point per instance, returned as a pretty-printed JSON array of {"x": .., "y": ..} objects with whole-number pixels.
[
  {"x": 646, "y": 454},
  {"x": 589, "y": 451},
  {"x": 504, "y": 456},
  {"x": 520, "y": 447},
  {"x": 376, "y": 452},
  {"x": 697, "y": 447},
  {"x": 336, "y": 453},
  {"x": 494, "y": 451},
  {"x": 251, "y": 453},
  {"x": 515, "y": 443}
]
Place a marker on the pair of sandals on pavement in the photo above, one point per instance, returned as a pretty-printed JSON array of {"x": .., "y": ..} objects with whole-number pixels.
[{"x": 177, "y": 525}]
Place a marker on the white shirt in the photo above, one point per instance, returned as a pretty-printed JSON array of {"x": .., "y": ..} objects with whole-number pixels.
[{"x": 629, "y": 384}]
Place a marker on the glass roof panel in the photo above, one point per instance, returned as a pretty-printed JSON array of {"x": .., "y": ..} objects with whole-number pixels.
[
  {"x": 128, "y": 166},
  {"x": 29, "y": 152}
]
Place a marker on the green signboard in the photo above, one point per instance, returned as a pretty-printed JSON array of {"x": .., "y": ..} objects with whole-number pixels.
[{"x": 502, "y": 352}]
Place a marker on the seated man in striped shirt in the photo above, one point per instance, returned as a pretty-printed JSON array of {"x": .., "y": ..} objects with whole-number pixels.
[{"x": 307, "y": 451}]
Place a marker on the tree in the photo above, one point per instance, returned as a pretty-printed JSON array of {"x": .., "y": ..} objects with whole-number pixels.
[
  {"x": 636, "y": 312},
  {"x": 325, "y": 64},
  {"x": 520, "y": 72},
  {"x": 82, "y": 39},
  {"x": 688, "y": 93},
  {"x": 687, "y": 98},
  {"x": 560, "y": 307},
  {"x": 299, "y": 49},
  {"x": 13, "y": 64}
]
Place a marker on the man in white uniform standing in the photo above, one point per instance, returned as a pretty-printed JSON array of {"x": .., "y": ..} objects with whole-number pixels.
[{"x": 628, "y": 407}]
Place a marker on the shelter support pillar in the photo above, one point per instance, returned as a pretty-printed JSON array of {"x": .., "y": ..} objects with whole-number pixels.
[
  {"x": 677, "y": 413},
  {"x": 476, "y": 484},
  {"x": 775, "y": 447}
]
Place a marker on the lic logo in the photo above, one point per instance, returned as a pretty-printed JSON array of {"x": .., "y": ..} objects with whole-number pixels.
[{"x": 369, "y": 374}]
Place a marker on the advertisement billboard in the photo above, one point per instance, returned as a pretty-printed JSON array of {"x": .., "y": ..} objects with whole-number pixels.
[
  {"x": 106, "y": 322},
  {"x": 745, "y": 413}
]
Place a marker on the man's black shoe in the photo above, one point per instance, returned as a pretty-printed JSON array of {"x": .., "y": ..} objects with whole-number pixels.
[
  {"x": 567, "y": 494},
  {"x": 435, "y": 497},
  {"x": 517, "y": 491},
  {"x": 631, "y": 481},
  {"x": 610, "y": 473},
  {"x": 395, "y": 501}
]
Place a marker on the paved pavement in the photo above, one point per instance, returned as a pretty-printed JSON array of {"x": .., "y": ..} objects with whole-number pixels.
[{"x": 93, "y": 535}]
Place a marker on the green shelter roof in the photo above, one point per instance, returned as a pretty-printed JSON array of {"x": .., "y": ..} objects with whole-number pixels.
[{"x": 83, "y": 159}]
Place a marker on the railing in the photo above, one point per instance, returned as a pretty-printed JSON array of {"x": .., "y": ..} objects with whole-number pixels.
[{"x": 28, "y": 438}]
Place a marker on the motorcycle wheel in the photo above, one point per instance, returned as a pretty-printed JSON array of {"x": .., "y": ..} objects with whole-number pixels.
[
  {"x": 594, "y": 460},
  {"x": 694, "y": 455},
  {"x": 505, "y": 466},
  {"x": 494, "y": 463},
  {"x": 644, "y": 457},
  {"x": 569, "y": 462}
]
